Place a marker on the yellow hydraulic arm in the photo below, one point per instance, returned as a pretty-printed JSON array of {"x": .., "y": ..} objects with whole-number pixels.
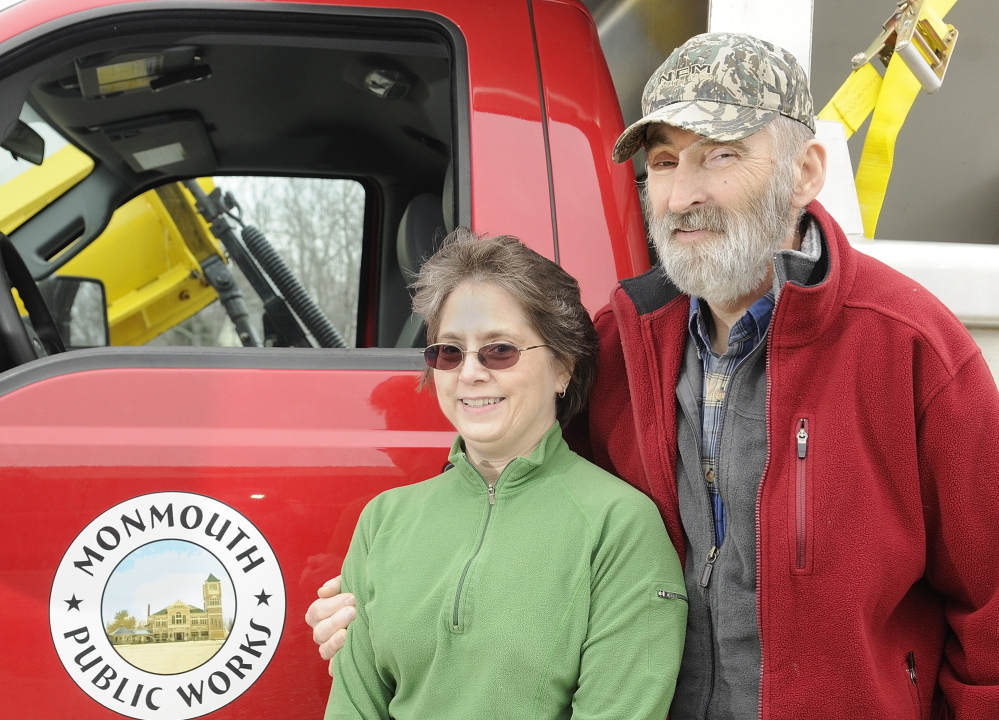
[{"x": 149, "y": 258}]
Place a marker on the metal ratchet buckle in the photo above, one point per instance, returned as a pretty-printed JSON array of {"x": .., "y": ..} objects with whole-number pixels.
[{"x": 920, "y": 37}]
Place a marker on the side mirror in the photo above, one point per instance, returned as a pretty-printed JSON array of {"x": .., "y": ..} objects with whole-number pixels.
[{"x": 79, "y": 309}]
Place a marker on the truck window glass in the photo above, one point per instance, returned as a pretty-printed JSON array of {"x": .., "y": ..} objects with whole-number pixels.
[
  {"x": 340, "y": 136},
  {"x": 316, "y": 227}
]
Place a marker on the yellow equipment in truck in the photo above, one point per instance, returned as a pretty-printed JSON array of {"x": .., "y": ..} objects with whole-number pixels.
[{"x": 156, "y": 243}]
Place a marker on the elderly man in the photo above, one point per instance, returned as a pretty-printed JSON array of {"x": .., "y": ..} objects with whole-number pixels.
[{"x": 817, "y": 430}]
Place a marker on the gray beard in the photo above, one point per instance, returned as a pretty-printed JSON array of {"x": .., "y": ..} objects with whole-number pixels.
[{"x": 734, "y": 264}]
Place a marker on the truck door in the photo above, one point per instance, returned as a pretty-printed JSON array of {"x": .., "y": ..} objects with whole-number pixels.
[{"x": 171, "y": 509}]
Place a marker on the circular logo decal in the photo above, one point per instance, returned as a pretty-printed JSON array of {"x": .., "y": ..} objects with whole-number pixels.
[{"x": 168, "y": 605}]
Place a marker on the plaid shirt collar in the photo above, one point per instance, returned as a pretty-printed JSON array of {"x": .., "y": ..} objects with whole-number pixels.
[
  {"x": 753, "y": 325},
  {"x": 747, "y": 333}
]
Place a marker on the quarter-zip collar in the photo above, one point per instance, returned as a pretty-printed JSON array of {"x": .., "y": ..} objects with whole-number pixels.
[{"x": 552, "y": 452}]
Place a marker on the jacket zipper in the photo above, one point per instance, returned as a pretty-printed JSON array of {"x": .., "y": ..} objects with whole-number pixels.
[
  {"x": 714, "y": 551},
  {"x": 709, "y": 566},
  {"x": 910, "y": 667},
  {"x": 759, "y": 496},
  {"x": 801, "y": 495},
  {"x": 491, "y": 489}
]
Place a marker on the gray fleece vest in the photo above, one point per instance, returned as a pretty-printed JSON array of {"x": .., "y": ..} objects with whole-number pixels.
[{"x": 722, "y": 660}]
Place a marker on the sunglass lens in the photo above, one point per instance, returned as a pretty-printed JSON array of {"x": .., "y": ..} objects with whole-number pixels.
[
  {"x": 443, "y": 357},
  {"x": 450, "y": 357},
  {"x": 498, "y": 356},
  {"x": 430, "y": 355}
]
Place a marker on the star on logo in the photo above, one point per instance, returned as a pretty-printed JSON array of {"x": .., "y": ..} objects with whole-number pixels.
[
  {"x": 74, "y": 604},
  {"x": 262, "y": 598}
]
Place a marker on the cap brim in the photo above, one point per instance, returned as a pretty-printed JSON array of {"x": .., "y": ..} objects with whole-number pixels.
[{"x": 719, "y": 121}]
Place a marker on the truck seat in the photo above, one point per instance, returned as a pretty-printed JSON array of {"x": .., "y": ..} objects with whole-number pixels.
[{"x": 421, "y": 230}]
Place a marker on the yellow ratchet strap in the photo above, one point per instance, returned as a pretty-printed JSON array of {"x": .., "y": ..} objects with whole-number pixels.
[{"x": 915, "y": 45}]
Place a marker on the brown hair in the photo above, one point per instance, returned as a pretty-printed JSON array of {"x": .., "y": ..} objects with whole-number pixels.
[{"x": 548, "y": 295}]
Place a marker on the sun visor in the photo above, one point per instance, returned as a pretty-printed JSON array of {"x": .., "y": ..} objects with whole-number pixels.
[
  {"x": 177, "y": 144},
  {"x": 109, "y": 74}
]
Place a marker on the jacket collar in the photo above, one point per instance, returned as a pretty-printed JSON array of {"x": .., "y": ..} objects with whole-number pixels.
[
  {"x": 809, "y": 297},
  {"x": 808, "y": 306},
  {"x": 551, "y": 452}
]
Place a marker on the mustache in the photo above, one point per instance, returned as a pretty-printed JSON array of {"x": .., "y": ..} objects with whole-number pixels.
[{"x": 703, "y": 217}]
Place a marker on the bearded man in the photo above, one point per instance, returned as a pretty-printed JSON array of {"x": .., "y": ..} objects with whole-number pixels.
[{"x": 817, "y": 430}]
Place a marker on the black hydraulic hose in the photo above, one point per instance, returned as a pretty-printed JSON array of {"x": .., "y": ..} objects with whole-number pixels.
[
  {"x": 307, "y": 310},
  {"x": 219, "y": 277},
  {"x": 214, "y": 210}
]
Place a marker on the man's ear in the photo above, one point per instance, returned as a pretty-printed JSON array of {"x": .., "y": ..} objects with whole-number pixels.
[{"x": 809, "y": 173}]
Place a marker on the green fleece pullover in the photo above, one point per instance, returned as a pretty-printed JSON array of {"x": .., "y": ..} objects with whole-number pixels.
[{"x": 554, "y": 594}]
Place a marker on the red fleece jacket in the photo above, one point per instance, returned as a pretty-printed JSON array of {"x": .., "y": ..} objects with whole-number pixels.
[{"x": 880, "y": 549}]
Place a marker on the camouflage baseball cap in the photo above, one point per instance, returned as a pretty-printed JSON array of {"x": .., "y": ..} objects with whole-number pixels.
[{"x": 723, "y": 86}]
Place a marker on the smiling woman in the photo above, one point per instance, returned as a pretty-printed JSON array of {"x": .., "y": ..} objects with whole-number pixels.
[
  {"x": 579, "y": 558},
  {"x": 544, "y": 294},
  {"x": 500, "y": 414},
  {"x": 501, "y": 294}
]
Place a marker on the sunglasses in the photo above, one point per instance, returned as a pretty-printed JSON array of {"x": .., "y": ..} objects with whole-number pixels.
[{"x": 494, "y": 356}]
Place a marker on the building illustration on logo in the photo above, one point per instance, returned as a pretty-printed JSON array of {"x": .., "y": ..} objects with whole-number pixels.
[{"x": 180, "y": 622}]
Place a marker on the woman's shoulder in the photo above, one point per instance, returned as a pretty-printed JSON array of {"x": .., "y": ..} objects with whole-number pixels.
[{"x": 597, "y": 490}]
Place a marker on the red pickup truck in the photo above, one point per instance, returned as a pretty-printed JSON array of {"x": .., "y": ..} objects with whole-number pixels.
[{"x": 168, "y": 512}]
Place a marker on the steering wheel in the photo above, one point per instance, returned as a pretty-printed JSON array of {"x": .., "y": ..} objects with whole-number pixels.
[{"x": 16, "y": 344}]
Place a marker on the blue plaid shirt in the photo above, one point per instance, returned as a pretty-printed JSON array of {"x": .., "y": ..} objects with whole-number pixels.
[{"x": 746, "y": 334}]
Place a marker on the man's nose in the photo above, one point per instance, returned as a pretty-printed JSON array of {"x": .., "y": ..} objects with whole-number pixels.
[{"x": 686, "y": 189}]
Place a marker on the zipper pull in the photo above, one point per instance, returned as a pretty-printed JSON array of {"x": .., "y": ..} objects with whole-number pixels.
[
  {"x": 709, "y": 566},
  {"x": 491, "y": 489},
  {"x": 911, "y": 662},
  {"x": 802, "y": 440}
]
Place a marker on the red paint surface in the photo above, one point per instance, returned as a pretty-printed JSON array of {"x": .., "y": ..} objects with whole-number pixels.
[{"x": 317, "y": 444}]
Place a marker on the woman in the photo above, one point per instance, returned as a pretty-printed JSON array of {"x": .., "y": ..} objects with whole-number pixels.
[{"x": 523, "y": 582}]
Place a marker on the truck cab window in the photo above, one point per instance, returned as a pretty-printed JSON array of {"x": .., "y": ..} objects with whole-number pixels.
[
  {"x": 295, "y": 264},
  {"x": 252, "y": 187}
]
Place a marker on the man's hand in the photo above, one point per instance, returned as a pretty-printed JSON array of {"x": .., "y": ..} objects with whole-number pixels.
[{"x": 329, "y": 617}]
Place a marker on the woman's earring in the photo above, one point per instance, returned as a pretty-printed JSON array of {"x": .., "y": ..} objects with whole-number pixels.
[{"x": 562, "y": 394}]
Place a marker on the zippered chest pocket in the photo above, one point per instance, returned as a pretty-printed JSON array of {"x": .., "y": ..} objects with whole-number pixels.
[{"x": 800, "y": 498}]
